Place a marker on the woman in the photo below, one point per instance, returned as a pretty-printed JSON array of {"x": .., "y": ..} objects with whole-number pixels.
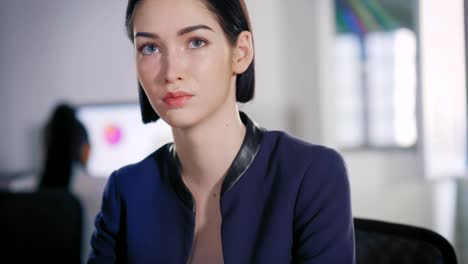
[
  {"x": 67, "y": 145},
  {"x": 67, "y": 152},
  {"x": 226, "y": 191}
]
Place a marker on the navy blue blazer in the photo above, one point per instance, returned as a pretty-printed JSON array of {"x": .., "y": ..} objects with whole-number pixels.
[{"x": 282, "y": 201}]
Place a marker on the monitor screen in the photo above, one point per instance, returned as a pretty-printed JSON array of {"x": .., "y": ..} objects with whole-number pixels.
[{"x": 118, "y": 137}]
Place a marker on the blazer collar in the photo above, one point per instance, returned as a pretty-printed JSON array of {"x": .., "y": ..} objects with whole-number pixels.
[{"x": 242, "y": 161}]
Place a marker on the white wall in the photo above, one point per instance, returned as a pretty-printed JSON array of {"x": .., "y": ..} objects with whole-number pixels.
[
  {"x": 57, "y": 50},
  {"x": 77, "y": 50},
  {"x": 443, "y": 77}
]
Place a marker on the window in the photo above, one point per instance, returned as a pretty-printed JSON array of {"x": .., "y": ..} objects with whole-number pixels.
[{"x": 375, "y": 74}]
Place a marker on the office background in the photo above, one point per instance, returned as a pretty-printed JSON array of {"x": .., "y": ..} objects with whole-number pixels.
[{"x": 77, "y": 51}]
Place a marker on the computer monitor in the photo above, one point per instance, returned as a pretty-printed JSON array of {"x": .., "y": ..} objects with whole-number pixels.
[{"x": 118, "y": 137}]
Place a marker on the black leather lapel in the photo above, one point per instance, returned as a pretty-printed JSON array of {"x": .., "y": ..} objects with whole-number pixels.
[{"x": 245, "y": 156}]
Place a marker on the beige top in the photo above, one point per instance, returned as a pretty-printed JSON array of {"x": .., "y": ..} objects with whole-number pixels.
[{"x": 207, "y": 245}]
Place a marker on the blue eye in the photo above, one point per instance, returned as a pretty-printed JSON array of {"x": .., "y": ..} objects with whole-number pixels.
[
  {"x": 197, "y": 43},
  {"x": 149, "y": 49}
]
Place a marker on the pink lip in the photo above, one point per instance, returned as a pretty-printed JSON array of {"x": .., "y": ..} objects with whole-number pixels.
[{"x": 177, "y": 99}]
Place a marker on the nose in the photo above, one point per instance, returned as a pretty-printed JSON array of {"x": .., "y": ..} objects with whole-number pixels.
[{"x": 172, "y": 68}]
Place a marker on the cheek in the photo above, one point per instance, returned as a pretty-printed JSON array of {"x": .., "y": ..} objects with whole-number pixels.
[
  {"x": 213, "y": 71},
  {"x": 147, "y": 70}
]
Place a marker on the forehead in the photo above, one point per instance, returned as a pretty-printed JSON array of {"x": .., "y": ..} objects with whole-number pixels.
[{"x": 168, "y": 15}]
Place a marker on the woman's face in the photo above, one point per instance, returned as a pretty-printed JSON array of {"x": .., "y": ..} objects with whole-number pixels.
[{"x": 183, "y": 60}]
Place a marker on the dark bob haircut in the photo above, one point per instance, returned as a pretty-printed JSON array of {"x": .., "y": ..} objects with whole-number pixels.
[{"x": 233, "y": 17}]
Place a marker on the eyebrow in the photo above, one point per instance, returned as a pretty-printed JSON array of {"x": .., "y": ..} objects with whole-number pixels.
[{"x": 180, "y": 32}]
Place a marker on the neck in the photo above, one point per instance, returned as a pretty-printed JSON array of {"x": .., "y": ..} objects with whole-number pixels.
[{"x": 207, "y": 151}]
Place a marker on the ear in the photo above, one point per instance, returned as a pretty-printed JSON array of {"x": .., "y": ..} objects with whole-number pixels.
[
  {"x": 243, "y": 53},
  {"x": 85, "y": 153}
]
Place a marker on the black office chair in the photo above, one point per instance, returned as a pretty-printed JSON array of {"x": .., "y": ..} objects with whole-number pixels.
[
  {"x": 40, "y": 227},
  {"x": 379, "y": 242}
]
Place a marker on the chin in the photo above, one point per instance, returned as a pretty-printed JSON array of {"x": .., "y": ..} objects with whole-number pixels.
[{"x": 180, "y": 118}]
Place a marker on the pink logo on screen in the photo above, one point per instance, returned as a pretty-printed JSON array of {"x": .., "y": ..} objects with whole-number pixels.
[{"x": 113, "y": 134}]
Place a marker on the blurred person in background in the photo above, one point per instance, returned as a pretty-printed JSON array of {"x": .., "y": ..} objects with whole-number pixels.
[{"x": 67, "y": 151}]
